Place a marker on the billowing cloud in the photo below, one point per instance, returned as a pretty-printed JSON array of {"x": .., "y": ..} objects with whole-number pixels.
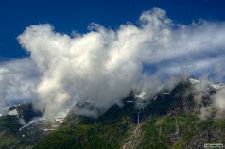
[{"x": 95, "y": 70}]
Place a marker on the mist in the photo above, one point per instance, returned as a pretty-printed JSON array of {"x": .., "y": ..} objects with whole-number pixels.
[
  {"x": 212, "y": 95},
  {"x": 91, "y": 72}
]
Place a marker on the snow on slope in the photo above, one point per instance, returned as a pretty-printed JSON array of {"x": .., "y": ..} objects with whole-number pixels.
[
  {"x": 194, "y": 81},
  {"x": 61, "y": 115},
  {"x": 13, "y": 112},
  {"x": 217, "y": 86},
  {"x": 142, "y": 95},
  {"x": 214, "y": 85}
]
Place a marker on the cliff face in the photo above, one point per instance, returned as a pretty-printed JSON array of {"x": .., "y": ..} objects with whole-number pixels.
[{"x": 169, "y": 120}]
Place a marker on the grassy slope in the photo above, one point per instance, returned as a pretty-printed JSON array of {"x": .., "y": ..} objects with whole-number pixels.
[
  {"x": 8, "y": 131},
  {"x": 181, "y": 132},
  {"x": 159, "y": 132}
]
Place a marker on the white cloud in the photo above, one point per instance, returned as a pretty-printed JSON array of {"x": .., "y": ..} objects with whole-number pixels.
[
  {"x": 97, "y": 69},
  {"x": 18, "y": 80}
]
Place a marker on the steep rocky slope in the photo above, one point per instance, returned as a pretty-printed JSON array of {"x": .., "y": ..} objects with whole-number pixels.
[{"x": 23, "y": 126}]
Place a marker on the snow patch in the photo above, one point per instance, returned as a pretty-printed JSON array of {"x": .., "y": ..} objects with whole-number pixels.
[
  {"x": 130, "y": 101},
  {"x": 217, "y": 86},
  {"x": 61, "y": 115},
  {"x": 13, "y": 112},
  {"x": 194, "y": 81},
  {"x": 47, "y": 129},
  {"x": 26, "y": 125},
  {"x": 33, "y": 121},
  {"x": 166, "y": 93},
  {"x": 142, "y": 95}
]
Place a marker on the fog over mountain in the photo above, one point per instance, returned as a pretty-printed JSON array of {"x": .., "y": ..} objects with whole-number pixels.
[{"x": 93, "y": 71}]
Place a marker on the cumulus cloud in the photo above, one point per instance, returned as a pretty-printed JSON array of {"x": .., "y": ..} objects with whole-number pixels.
[{"x": 95, "y": 70}]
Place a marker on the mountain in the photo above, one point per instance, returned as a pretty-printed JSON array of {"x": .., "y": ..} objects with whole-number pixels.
[
  {"x": 24, "y": 126},
  {"x": 169, "y": 120}
]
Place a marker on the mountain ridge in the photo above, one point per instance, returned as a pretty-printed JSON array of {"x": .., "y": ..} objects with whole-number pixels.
[{"x": 169, "y": 120}]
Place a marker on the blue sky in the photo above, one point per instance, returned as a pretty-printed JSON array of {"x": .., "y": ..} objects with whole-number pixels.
[{"x": 67, "y": 16}]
